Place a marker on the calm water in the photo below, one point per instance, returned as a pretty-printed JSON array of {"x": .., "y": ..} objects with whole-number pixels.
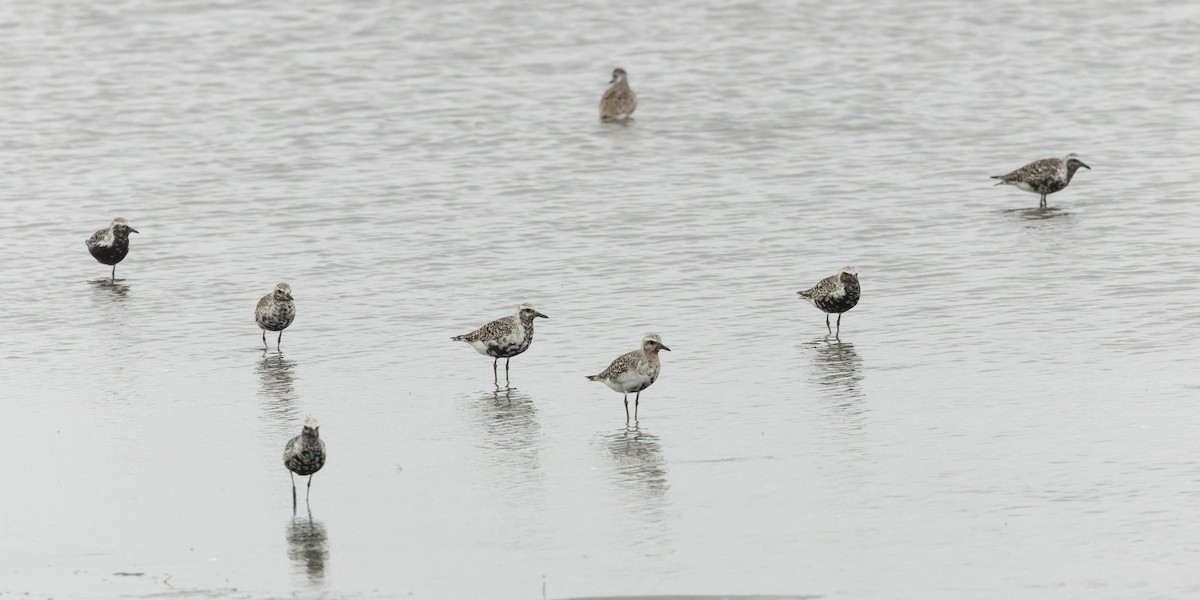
[{"x": 1011, "y": 411}]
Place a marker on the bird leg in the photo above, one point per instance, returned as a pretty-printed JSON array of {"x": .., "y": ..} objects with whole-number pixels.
[
  {"x": 627, "y": 407},
  {"x": 265, "y": 346},
  {"x": 293, "y": 491},
  {"x": 495, "y": 375},
  {"x": 636, "y": 400},
  {"x": 114, "y": 274},
  {"x": 506, "y": 361},
  {"x": 839, "y": 327},
  {"x": 1043, "y": 204},
  {"x": 278, "y": 341},
  {"x": 827, "y": 328},
  {"x": 309, "y": 492}
]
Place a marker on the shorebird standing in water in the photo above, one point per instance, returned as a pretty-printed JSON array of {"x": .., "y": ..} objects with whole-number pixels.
[
  {"x": 1044, "y": 176},
  {"x": 505, "y": 337},
  {"x": 834, "y": 294},
  {"x": 634, "y": 371},
  {"x": 275, "y": 312},
  {"x": 109, "y": 246},
  {"x": 618, "y": 101},
  {"x": 304, "y": 455}
]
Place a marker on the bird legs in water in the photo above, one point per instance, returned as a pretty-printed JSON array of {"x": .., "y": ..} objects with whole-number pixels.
[
  {"x": 830, "y": 329},
  {"x": 1043, "y": 204},
  {"x": 307, "y": 492},
  {"x": 496, "y": 369},
  {"x": 113, "y": 277},
  {"x": 636, "y": 399},
  {"x": 278, "y": 340}
]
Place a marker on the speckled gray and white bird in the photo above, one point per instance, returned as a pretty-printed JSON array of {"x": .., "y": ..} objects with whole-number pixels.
[
  {"x": 834, "y": 294},
  {"x": 634, "y": 371},
  {"x": 1044, "y": 176},
  {"x": 305, "y": 455},
  {"x": 275, "y": 312},
  {"x": 505, "y": 337},
  {"x": 109, "y": 246},
  {"x": 618, "y": 101}
]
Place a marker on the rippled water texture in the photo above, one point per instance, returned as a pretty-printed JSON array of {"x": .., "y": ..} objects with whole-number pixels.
[{"x": 1011, "y": 411}]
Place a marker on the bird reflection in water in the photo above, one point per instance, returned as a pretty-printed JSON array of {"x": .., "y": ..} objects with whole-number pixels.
[
  {"x": 277, "y": 386},
  {"x": 512, "y": 436},
  {"x": 639, "y": 467},
  {"x": 1036, "y": 214},
  {"x": 308, "y": 547},
  {"x": 112, "y": 290},
  {"x": 837, "y": 372}
]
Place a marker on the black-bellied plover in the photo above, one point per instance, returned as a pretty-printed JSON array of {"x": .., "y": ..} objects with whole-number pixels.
[
  {"x": 1044, "y": 176},
  {"x": 634, "y": 371},
  {"x": 109, "y": 246},
  {"x": 275, "y": 312},
  {"x": 304, "y": 455},
  {"x": 505, "y": 337},
  {"x": 618, "y": 101},
  {"x": 834, "y": 294}
]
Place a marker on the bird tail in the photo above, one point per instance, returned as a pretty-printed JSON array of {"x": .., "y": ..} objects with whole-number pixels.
[
  {"x": 1001, "y": 178},
  {"x": 805, "y": 294},
  {"x": 592, "y": 377},
  {"x": 457, "y": 338}
]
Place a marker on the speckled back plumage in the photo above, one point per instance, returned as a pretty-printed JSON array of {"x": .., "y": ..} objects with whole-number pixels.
[
  {"x": 276, "y": 311},
  {"x": 1045, "y": 176},
  {"x": 109, "y": 246},
  {"x": 305, "y": 453},
  {"x": 637, "y": 361},
  {"x": 834, "y": 294},
  {"x": 618, "y": 101},
  {"x": 634, "y": 371},
  {"x": 505, "y": 337}
]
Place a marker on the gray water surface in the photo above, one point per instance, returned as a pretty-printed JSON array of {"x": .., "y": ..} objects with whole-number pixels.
[{"x": 1010, "y": 412}]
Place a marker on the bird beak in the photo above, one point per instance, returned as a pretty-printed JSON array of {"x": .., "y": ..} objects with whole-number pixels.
[
  {"x": 1084, "y": 166},
  {"x": 136, "y": 231},
  {"x": 290, "y": 297},
  {"x": 541, "y": 315},
  {"x": 662, "y": 347},
  {"x": 613, "y": 80}
]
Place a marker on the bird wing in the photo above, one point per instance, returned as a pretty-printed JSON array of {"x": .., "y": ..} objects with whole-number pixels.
[
  {"x": 829, "y": 287},
  {"x": 492, "y": 331},
  {"x": 622, "y": 364},
  {"x": 618, "y": 99},
  {"x": 100, "y": 238},
  {"x": 1038, "y": 170},
  {"x": 264, "y": 304}
]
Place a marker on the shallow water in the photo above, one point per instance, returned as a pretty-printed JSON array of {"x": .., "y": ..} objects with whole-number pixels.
[{"x": 1009, "y": 412}]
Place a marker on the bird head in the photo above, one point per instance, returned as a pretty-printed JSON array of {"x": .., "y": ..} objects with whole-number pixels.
[
  {"x": 528, "y": 312},
  {"x": 1073, "y": 162},
  {"x": 283, "y": 292},
  {"x": 121, "y": 227},
  {"x": 652, "y": 343}
]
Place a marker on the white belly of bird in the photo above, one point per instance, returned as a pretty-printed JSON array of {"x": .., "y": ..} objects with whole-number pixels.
[
  {"x": 1025, "y": 186},
  {"x": 629, "y": 381},
  {"x": 514, "y": 339}
]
